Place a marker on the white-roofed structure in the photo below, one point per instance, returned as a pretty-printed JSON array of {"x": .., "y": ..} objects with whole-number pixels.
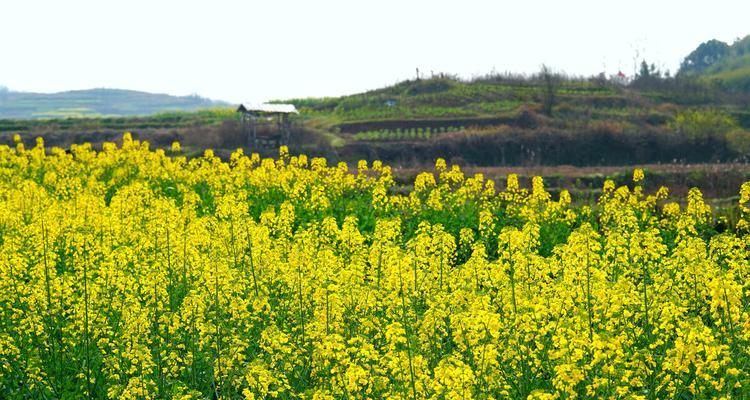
[
  {"x": 268, "y": 108},
  {"x": 252, "y": 115}
]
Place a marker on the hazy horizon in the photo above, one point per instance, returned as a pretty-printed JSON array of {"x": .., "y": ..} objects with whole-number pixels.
[{"x": 237, "y": 51}]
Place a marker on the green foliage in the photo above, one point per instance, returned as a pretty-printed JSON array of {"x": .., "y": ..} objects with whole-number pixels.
[
  {"x": 705, "y": 56},
  {"x": 423, "y": 86},
  {"x": 739, "y": 141},
  {"x": 720, "y": 64},
  {"x": 699, "y": 125},
  {"x": 735, "y": 79},
  {"x": 443, "y": 97},
  {"x": 406, "y": 134}
]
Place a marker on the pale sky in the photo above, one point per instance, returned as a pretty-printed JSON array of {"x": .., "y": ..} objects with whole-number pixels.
[{"x": 262, "y": 50}]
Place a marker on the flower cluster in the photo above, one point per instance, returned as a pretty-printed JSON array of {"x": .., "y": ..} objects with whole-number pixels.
[{"x": 131, "y": 273}]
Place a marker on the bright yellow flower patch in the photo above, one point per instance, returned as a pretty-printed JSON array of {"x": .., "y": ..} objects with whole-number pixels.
[{"x": 126, "y": 273}]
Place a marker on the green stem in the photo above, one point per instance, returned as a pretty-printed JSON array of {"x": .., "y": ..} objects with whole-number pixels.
[
  {"x": 86, "y": 320},
  {"x": 217, "y": 341},
  {"x": 250, "y": 256},
  {"x": 588, "y": 290},
  {"x": 407, "y": 331}
]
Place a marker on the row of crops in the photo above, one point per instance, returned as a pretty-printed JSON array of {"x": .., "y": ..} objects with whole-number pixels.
[{"x": 405, "y": 134}]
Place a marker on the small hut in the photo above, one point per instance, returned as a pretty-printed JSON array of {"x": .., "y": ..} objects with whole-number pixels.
[{"x": 253, "y": 115}]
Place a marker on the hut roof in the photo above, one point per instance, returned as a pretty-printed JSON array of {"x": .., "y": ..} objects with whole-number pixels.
[{"x": 268, "y": 108}]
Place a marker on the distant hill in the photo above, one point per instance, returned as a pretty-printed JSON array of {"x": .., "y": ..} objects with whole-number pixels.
[
  {"x": 96, "y": 102},
  {"x": 720, "y": 63}
]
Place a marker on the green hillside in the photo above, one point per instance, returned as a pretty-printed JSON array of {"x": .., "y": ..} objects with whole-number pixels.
[
  {"x": 449, "y": 97},
  {"x": 95, "y": 103},
  {"x": 721, "y": 64}
]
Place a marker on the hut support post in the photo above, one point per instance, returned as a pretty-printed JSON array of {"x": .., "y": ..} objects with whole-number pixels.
[
  {"x": 270, "y": 112},
  {"x": 255, "y": 132}
]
